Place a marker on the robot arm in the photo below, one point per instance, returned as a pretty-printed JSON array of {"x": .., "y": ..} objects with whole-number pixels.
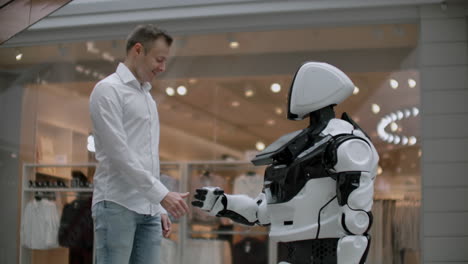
[
  {"x": 239, "y": 208},
  {"x": 356, "y": 162}
]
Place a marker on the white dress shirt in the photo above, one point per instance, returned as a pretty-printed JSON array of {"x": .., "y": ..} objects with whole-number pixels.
[
  {"x": 40, "y": 225},
  {"x": 126, "y": 131}
]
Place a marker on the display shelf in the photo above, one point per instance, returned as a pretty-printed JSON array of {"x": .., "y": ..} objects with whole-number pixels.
[
  {"x": 58, "y": 190},
  {"x": 182, "y": 171}
]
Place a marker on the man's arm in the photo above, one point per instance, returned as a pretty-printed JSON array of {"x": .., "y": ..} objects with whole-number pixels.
[{"x": 106, "y": 114}]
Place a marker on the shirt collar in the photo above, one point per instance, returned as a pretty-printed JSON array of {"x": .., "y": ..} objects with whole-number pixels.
[{"x": 127, "y": 77}]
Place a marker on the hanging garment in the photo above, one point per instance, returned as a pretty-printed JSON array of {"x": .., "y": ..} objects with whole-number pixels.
[
  {"x": 76, "y": 225},
  {"x": 40, "y": 224},
  {"x": 250, "y": 250}
]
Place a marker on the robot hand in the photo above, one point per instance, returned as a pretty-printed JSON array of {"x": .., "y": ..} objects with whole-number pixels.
[{"x": 209, "y": 200}]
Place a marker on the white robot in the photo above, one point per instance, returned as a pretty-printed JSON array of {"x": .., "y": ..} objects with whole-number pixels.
[{"x": 319, "y": 185}]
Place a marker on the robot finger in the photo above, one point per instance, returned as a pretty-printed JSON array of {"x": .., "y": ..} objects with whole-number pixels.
[
  {"x": 197, "y": 204},
  {"x": 218, "y": 192},
  {"x": 200, "y": 197},
  {"x": 201, "y": 191}
]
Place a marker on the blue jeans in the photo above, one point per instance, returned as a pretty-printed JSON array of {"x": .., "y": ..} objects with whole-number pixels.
[{"x": 123, "y": 236}]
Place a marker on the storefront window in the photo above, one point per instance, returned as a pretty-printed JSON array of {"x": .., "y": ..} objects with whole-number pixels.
[{"x": 223, "y": 98}]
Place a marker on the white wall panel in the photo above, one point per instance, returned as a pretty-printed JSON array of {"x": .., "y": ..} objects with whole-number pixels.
[
  {"x": 436, "y": 11},
  {"x": 445, "y": 150},
  {"x": 445, "y": 126},
  {"x": 446, "y": 224},
  {"x": 450, "y": 199},
  {"x": 445, "y": 102},
  {"x": 445, "y": 174},
  {"x": 444, "y": 30},
  {"x": 446, "y": 249},
  {"x": 447, "y": 53},
  {"x": 445, "y": 78}
]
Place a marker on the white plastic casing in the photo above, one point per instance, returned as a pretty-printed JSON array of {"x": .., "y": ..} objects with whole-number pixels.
[{"x": 317, "y": 85}]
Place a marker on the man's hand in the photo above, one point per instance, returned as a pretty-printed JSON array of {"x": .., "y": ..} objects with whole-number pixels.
[
  {"x": 166, "y": 225},
  {"x": 174, "y": 203}
]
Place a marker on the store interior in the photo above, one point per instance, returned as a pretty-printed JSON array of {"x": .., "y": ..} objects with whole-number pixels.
[{"x": 223, "y": 98}]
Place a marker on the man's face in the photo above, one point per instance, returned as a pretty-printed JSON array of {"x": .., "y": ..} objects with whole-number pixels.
[{"x": 153, "y": 61}]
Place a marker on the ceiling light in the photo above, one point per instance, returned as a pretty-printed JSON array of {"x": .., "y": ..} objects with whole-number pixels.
[
  {"x": 170, "y": 91},
  {"x": 407, "y": 113},
  {"x": 404, "y": 140},
  {"x": 233, "y": 44},
  {"x": 389, "y": 120},
  {"x": 87, "y": 71},
  {"x": 375, "y": 108},
  {"x": 276, "y": 88},
  {"x": 393, "y": 126},
  {"x": 260, "y": 146},
  {"x": 91, "y": 147},
  {"x": 79, "y": 68},
  {"x": 278, "y": 110},
  {"x": 379, "y": 170},
  {"x": 108, "y": 57},
  {"x": 271, "y": 122},
  {"x": 95, "y": 74},
  {"x": 249, "y": 93},
  {"x": 181, "y": 90},
  {"x": 19, "y": 55},
  {"x": 90, "y": 47},
  {"x": 235, "y": 103},
  {"x": 393, "y": 83},
  {"x": 356, "y": 90},
  {"x": 400, "y": 115},
  {"x": 192, "y": 81},
  {"x": 415, "y": 111},
  {"x": 411, "y": 83}
]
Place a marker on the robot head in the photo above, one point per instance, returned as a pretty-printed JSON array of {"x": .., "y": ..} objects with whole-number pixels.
[{"x": 317, "y": 85}]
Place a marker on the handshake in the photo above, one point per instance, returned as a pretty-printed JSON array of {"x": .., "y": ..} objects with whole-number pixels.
[{"x": 206, "y": 198}]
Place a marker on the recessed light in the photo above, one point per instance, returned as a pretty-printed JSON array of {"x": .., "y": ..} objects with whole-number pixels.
[
  {"x": 393, "y": 83},
  {"x": 271, "y": 122},
  {"x": 19, "y": 55},
  {"x": 170, "y": 91},
  {"x": 260, "y": 146},
  {"x": 276, "y": 88},
  {"x": 375, "y": 108},
  {"x": 411, "y": 83},
  {"x": 249, "y": 93},
  {"x": 356, "y": 90},
  {"x": 393, "y": 126},
  {"x": 235, "y": 104},
  {"x": 182, "y": 90},
  {"x": 233, "y": 44},
  {"x": 278, "y": 110}
]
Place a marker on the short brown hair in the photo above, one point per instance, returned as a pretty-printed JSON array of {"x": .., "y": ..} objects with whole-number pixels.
[{"x": 146, "y": 35}]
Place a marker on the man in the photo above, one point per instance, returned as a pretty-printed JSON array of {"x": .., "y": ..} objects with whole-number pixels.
[{"x": 127, "y": 190}]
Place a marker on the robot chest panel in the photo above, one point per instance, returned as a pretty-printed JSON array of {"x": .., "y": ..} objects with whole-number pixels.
[{"x": 283, "y": 182}]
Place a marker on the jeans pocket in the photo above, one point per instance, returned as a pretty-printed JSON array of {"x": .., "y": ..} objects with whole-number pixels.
[{"x": 112, "y": 208}]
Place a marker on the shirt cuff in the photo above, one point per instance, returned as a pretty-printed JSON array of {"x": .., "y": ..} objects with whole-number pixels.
[{"x": 157, "y": 193}]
